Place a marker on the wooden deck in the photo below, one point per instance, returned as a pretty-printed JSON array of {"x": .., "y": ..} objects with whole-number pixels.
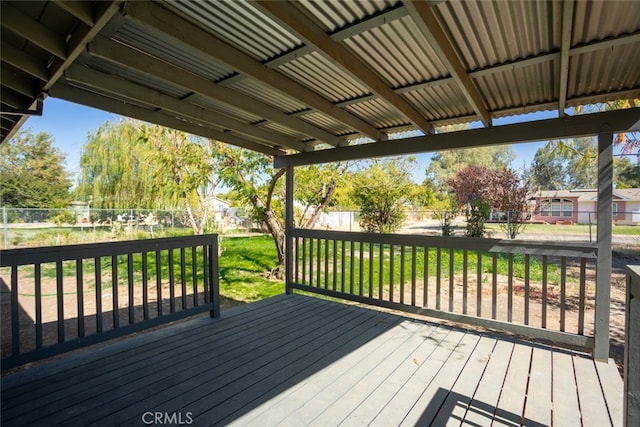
[{"x": 296, "y": 360}]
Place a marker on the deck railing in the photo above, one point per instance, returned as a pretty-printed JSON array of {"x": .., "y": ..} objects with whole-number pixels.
[
  {"x": 59, "y": 298},
  {"x": 542, "y": 290},
  {"x": 632, "y": 349}
]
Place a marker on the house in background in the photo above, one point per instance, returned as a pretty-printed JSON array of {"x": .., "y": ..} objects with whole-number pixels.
[
  {"x": 579, "y": 206},
  {"x": 220, "y": 208}
]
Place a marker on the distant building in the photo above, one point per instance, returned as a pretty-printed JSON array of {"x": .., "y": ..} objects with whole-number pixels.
[
  {"x": 579, "y": 206},
  {"x": 220, "y": 209}
]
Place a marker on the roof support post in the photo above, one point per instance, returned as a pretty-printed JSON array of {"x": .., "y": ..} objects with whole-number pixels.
[
  {"x": 288, "y": 226},
  {"x": 603, "y": 266}
]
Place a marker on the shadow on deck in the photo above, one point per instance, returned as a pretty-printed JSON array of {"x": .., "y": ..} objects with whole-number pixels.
[{"x": 297, "y": 360}]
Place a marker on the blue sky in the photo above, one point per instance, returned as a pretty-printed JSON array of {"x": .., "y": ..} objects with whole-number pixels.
[{"x": 70, "y": 124}]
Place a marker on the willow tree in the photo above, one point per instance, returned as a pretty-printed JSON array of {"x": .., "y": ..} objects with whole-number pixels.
[
  {"x": 185, "y": 171},
  {"x": 114, "y": 171},
  {"x": 131, "y": 165}
]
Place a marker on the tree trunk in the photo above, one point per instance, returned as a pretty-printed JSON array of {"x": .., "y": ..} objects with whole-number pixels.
[
  {"x": 321, "y": 207},
  {"x": 277, "y": 232},
  {"x": 190, "y": 216}
]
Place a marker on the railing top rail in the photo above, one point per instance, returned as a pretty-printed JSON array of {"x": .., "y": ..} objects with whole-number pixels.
[
  {"x": 26, "y": 256},
  {"x": 568, "y": 249}
]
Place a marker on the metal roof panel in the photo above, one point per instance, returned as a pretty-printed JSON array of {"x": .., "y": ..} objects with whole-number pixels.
[
  {"x": 398, "y": 52},
  {"x": 171, "y": 50},
  {"x": 337, "y": 14},
  {"x": 379, "y": 113},
  {"x": 440, "y": 102},
  {"x": 493, "y": 32},
  {"x": 326, "y": 78},
  {"x": 241, "y": 25},
  {"x": 268, "y": 95}
]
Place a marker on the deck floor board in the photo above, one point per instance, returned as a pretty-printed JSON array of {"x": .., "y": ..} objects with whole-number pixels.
[
  {"x": 481, "y": 408},
  {"x": 453, "y": 409},
  {"x": 590, "y": 395},
  {"x": 566, "y": 410},
  {"x": 295, "y": 360},
  {"x": 538, "y": 409}
]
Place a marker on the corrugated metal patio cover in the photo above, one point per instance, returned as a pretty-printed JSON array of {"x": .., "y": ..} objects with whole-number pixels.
[{"x": 300, "y": 76}]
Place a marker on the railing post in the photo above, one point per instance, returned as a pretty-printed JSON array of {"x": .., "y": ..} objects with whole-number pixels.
[
  {"x": 288, "y": 226},
  {"x": 603, "y": 266},
  {"x": 4, "y": 226},
  {"x": 632, "y": 349},
  {"x": 214, "y": 286}
]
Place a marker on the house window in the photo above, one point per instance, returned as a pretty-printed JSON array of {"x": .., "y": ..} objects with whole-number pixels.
[
  {"x": 614, "y": 208},
  {"x": 544, "y": 208},
  {"x": 567, "y": 208},
  {"x": 556, "y": 207}
]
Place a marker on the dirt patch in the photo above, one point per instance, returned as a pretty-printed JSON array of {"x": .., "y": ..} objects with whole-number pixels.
[{"x": 95, "y": 306}]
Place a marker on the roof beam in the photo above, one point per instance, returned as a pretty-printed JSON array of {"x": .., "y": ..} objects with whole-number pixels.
[
  {"x": 541, "y": 130},
  {"x": 399, "y": 11},
  {"x": 152, "y": 15},
  {"x": 18, "y": 83},
  {"x": 549, "y": 106},
  {"x": 509, "y": 66},
  {"x": 14, "y": 100},
  {"x": 37, "y": 111},
  {"x": 141, "y": 95},
  {"x": 23, "y": 61},
  {"x": 104, "y": 11},
  {"x": 130, "y": 58},
  {"x": 427, "y": 22},
  {"x": 80, "y": 9},
  {"x": 606, "y": 44},
  {"x": 5, "y": 124},
  {"x": 32, "y": 30},
  {"x": 565, "y": 46},
  {"x": 79, "y": 96},
  {"x": 343, "y": 34},
  {"x": 65, "y": 50},
  {"x": 298, "y": 23}
]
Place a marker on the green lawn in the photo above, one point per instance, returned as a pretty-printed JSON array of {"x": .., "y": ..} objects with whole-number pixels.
[
  {"x": 350, "y": 272},
  {"x": 244, "y": 266}
]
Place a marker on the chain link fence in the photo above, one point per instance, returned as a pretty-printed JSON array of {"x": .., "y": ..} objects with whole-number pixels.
[
  {"x": 580, "y": 226},
  {"x": 81, "y": 224}
]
